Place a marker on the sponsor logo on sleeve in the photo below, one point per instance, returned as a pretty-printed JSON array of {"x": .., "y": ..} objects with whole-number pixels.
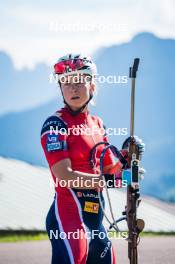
[{"x": 53, "y": 143}]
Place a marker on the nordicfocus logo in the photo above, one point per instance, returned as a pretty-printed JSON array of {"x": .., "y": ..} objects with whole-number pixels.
[
  {"x": 57, "y": 26},
  {"x": 93, "y": 234},
  {"x": 83, "y": 129},
  {"x": 81, "y": 183},
  {"x": 105, "y": 251},
  {"x": 101, "y": 79}
]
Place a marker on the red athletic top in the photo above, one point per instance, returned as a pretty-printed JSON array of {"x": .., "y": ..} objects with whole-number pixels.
[{"x": 66, "y": 136}]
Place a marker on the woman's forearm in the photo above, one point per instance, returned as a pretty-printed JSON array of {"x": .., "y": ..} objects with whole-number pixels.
[
  {"x": 81, "y": 180},
  {"x": 114, "y": 168},
  {"x": 75, "y": 179}
]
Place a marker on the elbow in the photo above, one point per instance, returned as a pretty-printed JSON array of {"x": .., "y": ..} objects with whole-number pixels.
[{"x": 61, "y": 174}]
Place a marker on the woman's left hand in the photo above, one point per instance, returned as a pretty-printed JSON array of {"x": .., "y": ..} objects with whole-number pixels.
[{"x": 137, "y": 141}]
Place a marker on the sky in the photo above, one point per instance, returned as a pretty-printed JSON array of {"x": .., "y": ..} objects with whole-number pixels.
[{"x": 41, "y": 31}]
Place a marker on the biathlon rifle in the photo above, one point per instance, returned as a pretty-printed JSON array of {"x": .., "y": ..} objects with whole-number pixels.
[{"x": 135, "y": 226}]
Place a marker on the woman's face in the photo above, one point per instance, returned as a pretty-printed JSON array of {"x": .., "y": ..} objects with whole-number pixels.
[{"x": 76, "y": 89}]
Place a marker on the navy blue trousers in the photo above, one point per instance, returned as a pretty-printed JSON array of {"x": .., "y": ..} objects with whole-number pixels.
[{"x": 75, "y": 229}]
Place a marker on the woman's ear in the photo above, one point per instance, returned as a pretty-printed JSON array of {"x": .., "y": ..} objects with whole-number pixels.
[
  {"x": 93, "y": 92},
  {"x": 92, "y": 87}
]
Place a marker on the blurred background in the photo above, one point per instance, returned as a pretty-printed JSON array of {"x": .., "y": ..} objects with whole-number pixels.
[{"x": 33, "y": 36}]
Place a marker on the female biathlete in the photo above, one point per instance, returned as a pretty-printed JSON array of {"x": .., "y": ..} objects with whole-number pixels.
[{"x": 74, "y": 221}]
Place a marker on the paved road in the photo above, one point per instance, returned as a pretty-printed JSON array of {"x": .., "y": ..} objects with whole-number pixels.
[{"x": 157, "y": 250}]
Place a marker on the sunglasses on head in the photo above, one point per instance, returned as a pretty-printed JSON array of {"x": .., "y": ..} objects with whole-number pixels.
[{"x": 69, "y": 65}]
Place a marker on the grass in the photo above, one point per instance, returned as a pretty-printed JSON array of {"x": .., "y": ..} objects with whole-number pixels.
[
  {"x": 114, "y": 234},
  {"x": 150, "y": 234},
  {"x": 19, "y": 236}
]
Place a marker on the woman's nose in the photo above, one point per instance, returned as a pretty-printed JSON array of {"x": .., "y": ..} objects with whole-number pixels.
[{"x": 74, "y": 86}]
